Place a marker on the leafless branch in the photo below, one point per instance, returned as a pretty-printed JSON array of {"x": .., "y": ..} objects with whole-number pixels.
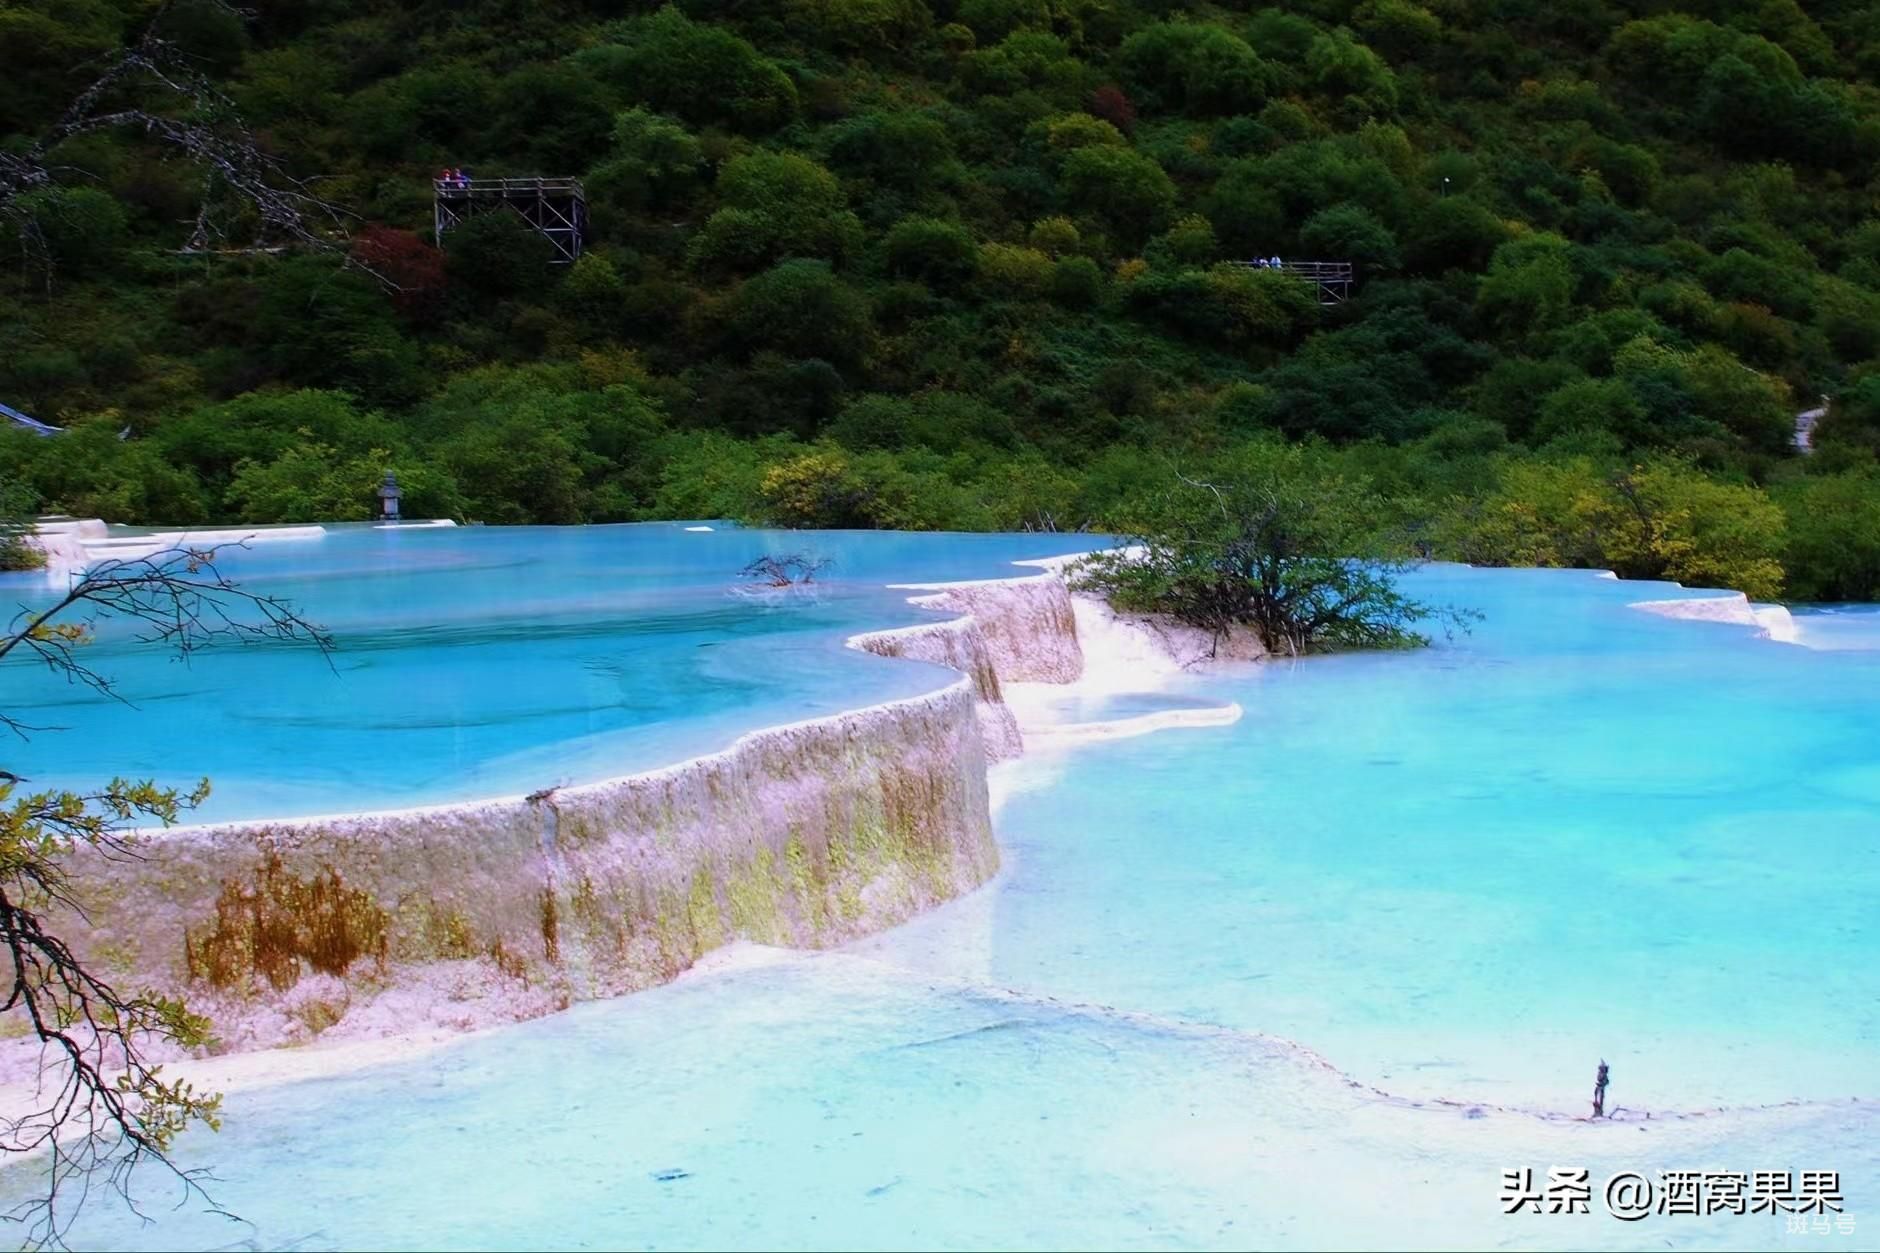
[
  {"x": 148, "y": 86},
  {"x": 105, "y": 1107},
  {"x": 179, "y": 595},
  {"x": 788, "y": 570}
]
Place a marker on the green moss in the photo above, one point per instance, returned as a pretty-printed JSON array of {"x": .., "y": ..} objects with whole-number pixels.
[
  {"x": 848, "y": 900},
  {"x": 425, "y": 929},
  {"x": 701, "y": 913},
  {"x": 809, "y": 896},
  {"x": 676, "y": 939},
  {"x": 114, "y": 959},
  {"x": 755, "y": 893}
]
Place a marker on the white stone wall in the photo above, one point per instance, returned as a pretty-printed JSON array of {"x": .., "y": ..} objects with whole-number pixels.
[{"x": 460, "y": 916}]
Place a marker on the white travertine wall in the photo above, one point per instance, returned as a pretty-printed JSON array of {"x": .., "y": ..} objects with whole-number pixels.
[
  {"x": 71, "y": 545},
  {"x": 960, "y": 644},
  {"x": 1027, "y": 624},
  {"x": 460, "y": 916},
  {"x": 1773, "y": 621}
]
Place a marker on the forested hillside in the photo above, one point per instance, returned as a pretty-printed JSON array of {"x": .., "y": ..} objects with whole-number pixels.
[{"x": 962, "y": 264}]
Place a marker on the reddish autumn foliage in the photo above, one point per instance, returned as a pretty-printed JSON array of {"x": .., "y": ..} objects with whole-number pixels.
[
  {"x": 1109, "y": 103},
  {"x": 414, "y": 268}
]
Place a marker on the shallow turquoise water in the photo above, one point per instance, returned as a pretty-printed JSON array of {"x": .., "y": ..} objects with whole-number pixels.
[
  {"x": 827, "y": 1103},
  {"x": 1117, "y": 706},
  {"x": 1839, "y": 626},
  {"x": 483, "y": 661},
  {"x": 1579, "y": 832}
]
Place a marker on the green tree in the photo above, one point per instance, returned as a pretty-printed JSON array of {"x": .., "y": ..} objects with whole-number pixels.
[
  {"x": 1345, "y": 69},
  {"x": 1350, "y": 232},
  {"x": 939, "y": 254},
  {"x": 1271, "y": 538},
  {"x": 318, "y": 483},
  {"x": 498, "y": 254},
  {"x": 860, "y": 24},
  {"x": 656, "y": 164},
  {"x": 776, "y": 205},
  {"x": 1125, "y": 188},
  {"x": 697, "y": 71},
  {"x": 1202, "y": 69},
  {"x": 900, "y": 149},
  {"x": 800, "y": 308},
  {"x": 17, "y": 506},
  {"x": 81, "y": 229},
  {"x": 1833, "y": 524},
  {"x": 1529, "y": 286}
]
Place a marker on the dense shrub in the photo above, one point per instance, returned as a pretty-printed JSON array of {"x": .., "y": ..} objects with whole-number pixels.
[
  {"x": 940, "y": 254},
  {"x": 700, "y": 72},
  {"x": 776, "y": 205},
  {"x": 966, "y": 258},
  {"x": 802, "y": 309}
]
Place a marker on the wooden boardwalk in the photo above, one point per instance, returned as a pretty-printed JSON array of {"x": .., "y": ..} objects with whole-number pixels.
[
  {"x": 556, "y": 207},
  {"x": 1333, "y": 279}
]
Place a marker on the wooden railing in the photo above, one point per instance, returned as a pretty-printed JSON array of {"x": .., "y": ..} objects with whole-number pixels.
[
  {"x": 451, "y": 187},
  {"x": 555, "y": 207},
  {"x": 1332, "y": 278}
]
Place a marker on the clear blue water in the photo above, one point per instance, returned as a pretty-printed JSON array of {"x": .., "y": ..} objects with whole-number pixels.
[
  {"x": 1471, "y": 872},
  {"x": 829, "y": 1104},
  {"x": 1839, "y": 626},
  {"x": 1580, "y": 832},
  {"x": 1117, "y": 706},
  {"x": 482, "y": 661}
]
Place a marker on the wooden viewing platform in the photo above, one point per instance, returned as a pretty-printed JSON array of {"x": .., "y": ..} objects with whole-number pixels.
[
  {"x": 555, "y": 207},
  {"x": 1332, "y": 278}
]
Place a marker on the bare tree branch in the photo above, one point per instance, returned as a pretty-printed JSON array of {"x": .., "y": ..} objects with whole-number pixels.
[
  {"x": 149, "y": 86},
  {"x": 105, "y": 1106}
]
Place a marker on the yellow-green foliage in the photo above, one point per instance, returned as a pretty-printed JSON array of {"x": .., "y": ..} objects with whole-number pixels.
[
  {"x": 1015, "y": 270},
  {"x": 1056, "y": 236},
  {"x": 808, "y": 490},
  {"x": 1657, "y": 520}
]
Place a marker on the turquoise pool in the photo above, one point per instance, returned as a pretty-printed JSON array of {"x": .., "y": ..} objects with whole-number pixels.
[
  {"x": 1581, "y": 831},
  {"x": 488, "y": 661},
  {"x": 1460, "y": 876}
]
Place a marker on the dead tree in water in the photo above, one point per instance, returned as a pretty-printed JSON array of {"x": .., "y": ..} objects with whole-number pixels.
[
  {"x": 789, "y": 570},
  {"x": 104, "y": 1104},
  {"x": 1599, "y": 1091}
]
